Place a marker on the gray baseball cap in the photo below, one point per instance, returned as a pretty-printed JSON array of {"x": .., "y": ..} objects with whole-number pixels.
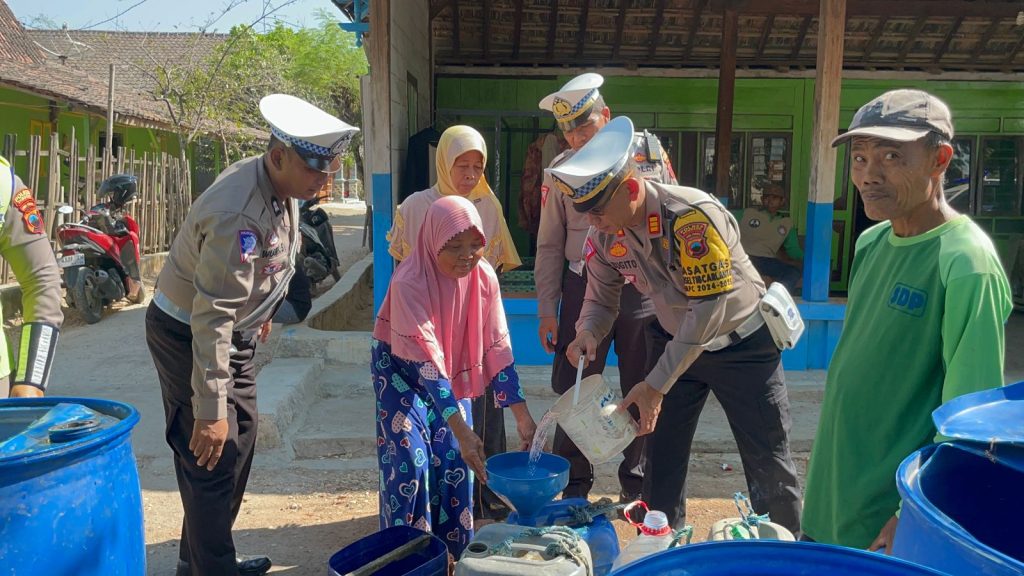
[{"x": 901, "y": 115}]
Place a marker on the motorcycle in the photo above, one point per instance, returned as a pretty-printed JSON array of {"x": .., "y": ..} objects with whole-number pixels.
[
  {"x": 99, "y": 255},
  {"x": 319, "y": 256}
]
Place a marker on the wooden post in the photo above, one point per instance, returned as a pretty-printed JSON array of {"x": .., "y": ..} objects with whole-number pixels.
[
  {"x": 143, "y": 187},
  {"x": 726, "y": 91},
  {"x": 53, "y": 193},
  {"x": 821, "y": 190},
  {"x": 71, "y": 197},
  {"x": 109, "y": 150},
  {"x": 376, "y": 92}
]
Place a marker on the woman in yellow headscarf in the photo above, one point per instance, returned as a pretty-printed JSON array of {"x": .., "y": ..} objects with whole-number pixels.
[{"x": 461, "y": 157}]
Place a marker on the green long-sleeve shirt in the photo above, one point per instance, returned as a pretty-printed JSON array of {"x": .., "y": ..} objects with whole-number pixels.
[{"x": 924, "y": 323}]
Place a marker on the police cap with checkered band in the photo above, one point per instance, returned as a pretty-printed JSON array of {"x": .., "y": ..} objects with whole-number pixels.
[
  {"x": 316, "y": 136},
  {"x": 590, "y": 176},
  {"x": 573, "y": 105}
]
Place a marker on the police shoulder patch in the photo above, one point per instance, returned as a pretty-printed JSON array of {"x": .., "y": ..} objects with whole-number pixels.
[
  {"x": 703, "y": 255},
  {"x": 247, "y": 244},
  {"x": 30, "y": 215}
]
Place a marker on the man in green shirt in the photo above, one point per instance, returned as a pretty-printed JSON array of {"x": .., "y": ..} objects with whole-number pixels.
[
  {"x": 769, "y": 237},
  {"x": 927, "y": 306}
]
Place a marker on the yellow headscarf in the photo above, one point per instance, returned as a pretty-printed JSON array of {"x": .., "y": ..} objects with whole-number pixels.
[{"x": 456, "y": 141}]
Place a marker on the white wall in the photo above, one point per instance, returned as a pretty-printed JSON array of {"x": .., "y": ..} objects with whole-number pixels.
[{"x": 410, "y": 55}]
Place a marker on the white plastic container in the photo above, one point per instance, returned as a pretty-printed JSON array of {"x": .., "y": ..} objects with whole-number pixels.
[
  {"x": 655, "y": 535},
  {"x": 736, "y": 529},
  {"x": 593, "y": 423}
]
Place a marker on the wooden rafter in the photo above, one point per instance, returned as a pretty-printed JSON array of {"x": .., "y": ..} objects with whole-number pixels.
[
  {"x": 985, "y": 37},
  {"x": 801, "y": 35},
  {"x": 456, "y": 48},
  {"x": 552, "y": 29},
  {"x": 694, "y": 26},
  {"x": 948, "y": 39},
  {"x": 659, "y": 20},
  {"x": 517, "y": 31},
  {"x": 768, "y": 23},
  {"x": 581, "y": 32},
  {"x": 876, "y": 34},
  {"x": 911, "y": 37},
  {"x": 620, "y": 22},
  {"x": 893, "y": 8},
  {"x": 486, "y": 40},
  {"x": 1016, "y": 48}
]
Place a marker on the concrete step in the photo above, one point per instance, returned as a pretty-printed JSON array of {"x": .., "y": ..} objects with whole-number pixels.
[
  {"x": 341, "y": 425},
  {"x": 285, "y": 388}
]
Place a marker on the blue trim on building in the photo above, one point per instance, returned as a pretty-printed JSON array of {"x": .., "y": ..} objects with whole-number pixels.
[
  {"x": 383, "y": 213},
  {"x": 818, "y": 252}
]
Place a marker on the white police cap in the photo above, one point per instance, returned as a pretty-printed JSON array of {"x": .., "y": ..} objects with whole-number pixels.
[
  {"x": 318, "y": 137},
  {"x": 589, "y": 176},
  {"x": 573, "y": 104}
]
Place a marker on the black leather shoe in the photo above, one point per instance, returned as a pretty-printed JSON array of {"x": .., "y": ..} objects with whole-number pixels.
[{"x": 254, "y": 565}]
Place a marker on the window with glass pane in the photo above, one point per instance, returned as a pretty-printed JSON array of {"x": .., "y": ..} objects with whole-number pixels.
[
  {"x": 1000, "y": 176},
  {"x": 769, "y": 164},
  {"x": 957, "y": 184},
  {"x": 735, "y": 170}
]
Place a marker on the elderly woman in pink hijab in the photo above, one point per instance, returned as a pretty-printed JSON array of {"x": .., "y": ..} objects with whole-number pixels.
[{"x": 440, "y": 340}]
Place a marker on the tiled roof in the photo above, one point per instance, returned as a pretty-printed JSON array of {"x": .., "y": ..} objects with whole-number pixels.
[
  {"x": 14, "y": 44},
  {"x": 135, "y": 54}
]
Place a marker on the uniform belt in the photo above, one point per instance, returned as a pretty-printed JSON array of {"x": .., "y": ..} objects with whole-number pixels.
[
  {"x": 173, "y": 310},
  {"x": 748, "y": 327}
]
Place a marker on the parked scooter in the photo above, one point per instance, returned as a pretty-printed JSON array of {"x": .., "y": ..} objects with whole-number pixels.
[
  {"x": 99, "y": 255},
  {"x": 319, "y": 257}
]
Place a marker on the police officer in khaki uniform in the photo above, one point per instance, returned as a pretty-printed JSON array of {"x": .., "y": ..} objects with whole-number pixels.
[
  {"x": 225, "y": 275},
  {"x": 680, "y": 247},
  {"x": 560, "y": 275},
  {"x": 25, "y": 246}
]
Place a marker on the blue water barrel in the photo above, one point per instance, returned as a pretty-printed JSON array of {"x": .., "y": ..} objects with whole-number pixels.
[
  {"x": 770, "y": 558},
  {"x": 599, "y": 535},
  {"x": 431, "y": 560},
  {"x": 962, "y": 508},
  {"x": 70, "y": 501}
]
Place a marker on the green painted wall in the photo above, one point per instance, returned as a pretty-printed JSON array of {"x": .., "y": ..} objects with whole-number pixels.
[{"x": 774, "y": 106}]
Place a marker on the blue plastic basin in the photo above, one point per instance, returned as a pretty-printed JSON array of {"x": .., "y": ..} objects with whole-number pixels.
[
  {"x": 508, "y": 476},
  {"x": 599, "y": 535},
  {"x": 962, "y": 510},
  {"x": 70, "y": 505},
  {"x": 430, "y": 561},
  {"x": 770, "y": 558}
]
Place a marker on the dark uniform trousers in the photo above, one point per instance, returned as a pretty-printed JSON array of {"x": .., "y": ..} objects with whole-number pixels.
[
  {"x": 489, "y": 425},
  {"x": 211, "y": 499},
  {"x": 747, "y": 379},
  {"x": 629, "y": 335}
]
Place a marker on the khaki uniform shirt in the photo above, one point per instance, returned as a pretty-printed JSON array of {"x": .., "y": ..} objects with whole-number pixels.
[
  {"x": 762, "y": 233},
  {"x": 686, "y": 256},
  {"x": 563, "y": 230},
  {"x": 228, "y": 267}
]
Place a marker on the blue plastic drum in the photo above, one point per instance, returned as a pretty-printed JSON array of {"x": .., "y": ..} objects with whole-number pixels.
[
  {"x": 70, "y": 501},
  {"x": 770, "y": 558}
]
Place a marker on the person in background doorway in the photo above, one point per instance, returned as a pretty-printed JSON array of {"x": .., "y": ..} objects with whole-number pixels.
[
  {"x": 298, "y": 301},
  {"x": 561, "y": 277},
  {"x": 25, "y": 246},
  {"x": 924, "y": 322},
  {"x": 460, "y": 161},
  {"x": 440, "y": 340},
  {"x": 770, "y": 240}
]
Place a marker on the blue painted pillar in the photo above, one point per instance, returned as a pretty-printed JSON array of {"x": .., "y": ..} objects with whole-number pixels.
[
  {"x": 821, "y": 191},
  {"x": 818, "y": 251},
  {"x": 383, "y": 213}
]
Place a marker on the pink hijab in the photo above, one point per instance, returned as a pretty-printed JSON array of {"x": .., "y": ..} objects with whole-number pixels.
[{"x": 459, "y": 325}]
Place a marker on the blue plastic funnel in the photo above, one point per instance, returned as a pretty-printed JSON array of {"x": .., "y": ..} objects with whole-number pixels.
[{"x": 508, "y": 476}]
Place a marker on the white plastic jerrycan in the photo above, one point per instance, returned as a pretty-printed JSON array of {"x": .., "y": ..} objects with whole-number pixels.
[{"x": 594, "y": 424}]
